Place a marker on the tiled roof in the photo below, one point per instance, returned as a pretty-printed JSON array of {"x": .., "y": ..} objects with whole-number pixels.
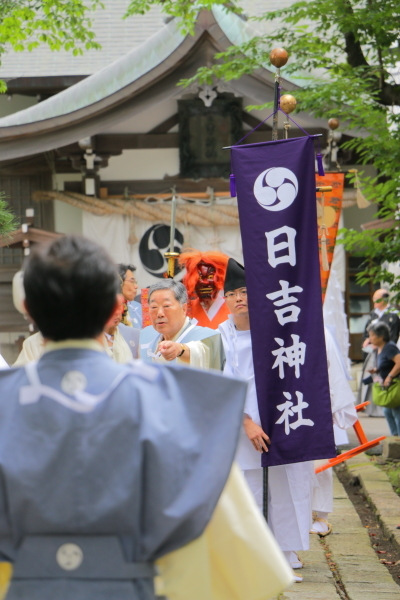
[{"x": 116, "y": 36}]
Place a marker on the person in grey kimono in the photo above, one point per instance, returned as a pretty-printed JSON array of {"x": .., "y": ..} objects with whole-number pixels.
[{"x": 103, "y": 467}]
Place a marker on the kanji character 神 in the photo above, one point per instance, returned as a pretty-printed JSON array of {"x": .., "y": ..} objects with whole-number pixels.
[{"x": 292, "y": 355}]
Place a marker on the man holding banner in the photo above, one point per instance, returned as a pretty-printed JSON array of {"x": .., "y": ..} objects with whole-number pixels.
[
  {"x": 290, "y": 489},
  {"x": 276, "y": 194},
  {"x": 275, "y": 184}
]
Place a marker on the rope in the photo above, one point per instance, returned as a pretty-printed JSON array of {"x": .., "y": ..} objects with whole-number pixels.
[{"x": 188, "y": 214}]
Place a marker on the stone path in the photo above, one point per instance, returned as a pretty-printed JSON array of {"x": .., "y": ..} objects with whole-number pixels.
[
  {"x": 343, "y": 566},
  {"x": 379, "y": 491}
]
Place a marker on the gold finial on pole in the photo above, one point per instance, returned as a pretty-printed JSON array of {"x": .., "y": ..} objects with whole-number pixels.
[
  {"x": 278, "y": 58},
  {"x": 333, "y": 123},
  {"x": 288, "y": 103}
]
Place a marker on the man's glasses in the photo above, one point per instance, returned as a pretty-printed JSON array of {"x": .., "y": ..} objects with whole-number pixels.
[
  {"x": 130, "y": 280},
  {"x": 240, "y": 294}
]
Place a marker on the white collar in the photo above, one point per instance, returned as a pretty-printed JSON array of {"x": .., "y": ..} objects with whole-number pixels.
[{"x": 87, "y": 344}]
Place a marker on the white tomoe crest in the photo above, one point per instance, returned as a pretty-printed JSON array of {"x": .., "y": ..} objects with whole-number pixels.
[{"x": 276, "y": 188}]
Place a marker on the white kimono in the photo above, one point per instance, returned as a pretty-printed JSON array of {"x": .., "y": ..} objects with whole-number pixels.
[
  {"x": 119, "y": 351},
  {"x": 3, "y": 363},
  {"x": 344, "y": 416},
  {"x": 205, "y": 351},
  {"x": 32, "y": 349},
  {"x": 290, "y": 486}
]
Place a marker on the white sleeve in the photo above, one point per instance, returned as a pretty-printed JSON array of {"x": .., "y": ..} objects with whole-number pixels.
[
  {"x": 199, "y": 355},
  {"x": 345, "y": 417}
]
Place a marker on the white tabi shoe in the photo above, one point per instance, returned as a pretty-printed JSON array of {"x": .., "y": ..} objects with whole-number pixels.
[
  {"x": 321, "y": 527},
  {"x": 297, "y": 578},
  {"x": 295, "y": 561}
]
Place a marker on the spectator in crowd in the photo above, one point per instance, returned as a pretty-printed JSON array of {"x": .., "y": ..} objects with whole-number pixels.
[
  {"x": 388, "y": 368},
  {"x": 133, "y": 312}
]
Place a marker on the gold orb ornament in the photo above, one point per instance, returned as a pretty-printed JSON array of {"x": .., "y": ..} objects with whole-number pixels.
[
  {"x": 288, "y": 103},
  {"x": 278, "y": 57},
  {"x": 333, "y": 123}
]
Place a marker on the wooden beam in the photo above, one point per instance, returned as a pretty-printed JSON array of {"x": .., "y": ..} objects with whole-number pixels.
[
  {"x": 15, "y": 239},
  {"x": 155, "y": 186},
  {"x": 43, "y": 85},
  {"x": 112, "y": 143},
  {"x": 166, "y": 125}
]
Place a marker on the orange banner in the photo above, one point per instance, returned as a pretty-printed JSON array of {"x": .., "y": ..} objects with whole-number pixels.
[{"x": 329, "y": 205}]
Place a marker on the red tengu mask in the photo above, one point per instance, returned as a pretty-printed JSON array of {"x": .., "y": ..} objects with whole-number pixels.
[{"x": 205, "y": 286}]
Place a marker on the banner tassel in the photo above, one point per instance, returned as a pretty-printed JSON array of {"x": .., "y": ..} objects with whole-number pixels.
[
  {"x": 232, "y": 185},
  {"x": 321, "y": 171},
  {"x": 324, "y": 252}
]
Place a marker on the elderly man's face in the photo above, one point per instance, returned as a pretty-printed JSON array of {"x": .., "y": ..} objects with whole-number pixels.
[
  {"x": 166, "y": 313},
  {"x": 130, "y": 286}
]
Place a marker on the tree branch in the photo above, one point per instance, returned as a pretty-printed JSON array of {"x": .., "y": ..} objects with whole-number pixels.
[{"x": 355, "y": 55}]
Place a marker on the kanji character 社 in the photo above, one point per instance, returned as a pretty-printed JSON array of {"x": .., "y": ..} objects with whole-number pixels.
[{"x": 288, "y": 410}]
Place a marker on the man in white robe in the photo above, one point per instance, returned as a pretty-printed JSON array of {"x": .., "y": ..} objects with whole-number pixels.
[
  {"x": 120, "y": 350},
  {"x": 114, "y": 341},
  {"x": 172, "y": 335},
  {"x": 344, "y": 416},
  {"x": 290, "y": 486}
]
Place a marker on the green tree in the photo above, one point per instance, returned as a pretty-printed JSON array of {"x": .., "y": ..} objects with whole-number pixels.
[
  {"x": 25, "y": 24},
  {"x": 61, "y": 24},
  {"x": 353, "y": 47},
  {"x": 7, "y": 220}
]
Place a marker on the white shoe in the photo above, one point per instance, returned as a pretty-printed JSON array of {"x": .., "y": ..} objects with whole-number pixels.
[
  {"x": 321, "y": 527},
  {"x": 297, "y": 578},
  {"x": 295, "y": 561}
]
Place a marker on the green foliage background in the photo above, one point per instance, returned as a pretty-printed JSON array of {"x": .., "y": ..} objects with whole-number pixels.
[
  {"x": 343, "y": 54},
  {"x": 60, "y": 24}
]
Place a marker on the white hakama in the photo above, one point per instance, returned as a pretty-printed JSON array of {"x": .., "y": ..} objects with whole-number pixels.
[
  {"x": 290, "y": 486},
  {"x": 344, "y": 416}
]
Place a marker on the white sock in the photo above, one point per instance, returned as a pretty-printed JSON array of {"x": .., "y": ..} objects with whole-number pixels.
[
  {"x": 291, "y": 557},
  {"x": 319, "y": 526},
  {"x": 322, "y": 515}
]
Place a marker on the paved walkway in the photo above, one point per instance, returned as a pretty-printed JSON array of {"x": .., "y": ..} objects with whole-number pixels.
[{"x": 343, "y": 565}]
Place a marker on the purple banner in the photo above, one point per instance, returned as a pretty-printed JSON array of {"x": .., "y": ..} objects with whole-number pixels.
[{"x": 275, "y": 184}]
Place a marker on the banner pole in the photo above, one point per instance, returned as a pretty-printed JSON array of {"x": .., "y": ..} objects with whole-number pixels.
[
  {"x": 278, "y": 58},
  {"x": 276, "y": 104},
  {"x": 171, "y": 256}
]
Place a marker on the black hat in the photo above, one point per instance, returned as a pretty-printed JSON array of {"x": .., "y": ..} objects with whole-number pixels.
[{"x": 234, "y": 277}]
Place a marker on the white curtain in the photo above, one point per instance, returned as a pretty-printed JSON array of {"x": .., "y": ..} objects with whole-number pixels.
[{"x": 115, "y": 231}]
